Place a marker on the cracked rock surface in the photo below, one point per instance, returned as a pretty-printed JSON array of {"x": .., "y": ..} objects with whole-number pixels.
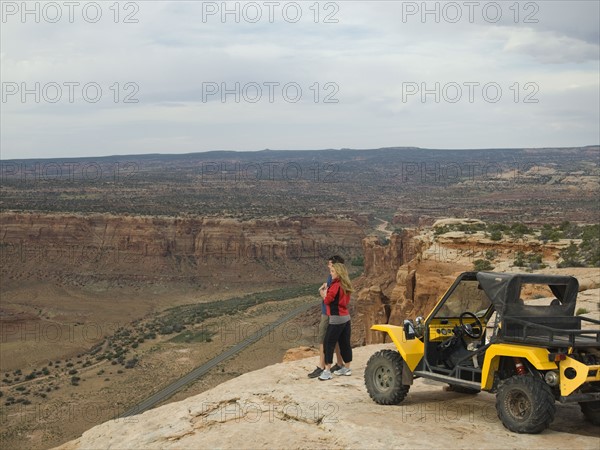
[{"x": 280, "y": 407}]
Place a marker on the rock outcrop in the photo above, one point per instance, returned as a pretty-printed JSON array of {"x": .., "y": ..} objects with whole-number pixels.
[
  {"x": 398, "y": 283},
  {"x": 405, "y": 276},
  {"x": 279, "y": 407}
]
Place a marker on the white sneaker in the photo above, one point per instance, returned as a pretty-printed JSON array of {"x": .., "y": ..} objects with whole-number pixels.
[
  {"x": 325, "y": 375},
  {"x": 343, "y": 371}
]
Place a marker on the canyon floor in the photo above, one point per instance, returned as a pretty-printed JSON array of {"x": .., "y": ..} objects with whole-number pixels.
[
  {"x": 279, "y": 407},
  {"x": 104, "y": 391}
]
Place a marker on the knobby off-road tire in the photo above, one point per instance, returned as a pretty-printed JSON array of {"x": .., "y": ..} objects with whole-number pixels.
[
  {"x": 525, "y": 404},
  {"x": 591, "y": 411},
  {"x": 383, "y": 378}
]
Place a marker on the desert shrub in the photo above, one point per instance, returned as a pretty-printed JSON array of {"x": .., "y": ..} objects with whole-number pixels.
[
  {"x": 496, "y": 235},
  {"x": 490, "y": 254},
  {"x": 482, "y": 265},
  {"x": 359, "y": 261},
  {"x": 167, "y": 329},
  {"x": 549, "y": 234},
  {"x": 131, "y": 363},
  {"x": 570, "y": 257},
  {"x": 441, "y": 230},
  {"x": 497, "y": 227},
  {"x": 581, "y": 311},
  {"x": 519, "y": 229}
]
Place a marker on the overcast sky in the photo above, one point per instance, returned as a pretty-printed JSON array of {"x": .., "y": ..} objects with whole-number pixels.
[{"x": 178, "y": 77}]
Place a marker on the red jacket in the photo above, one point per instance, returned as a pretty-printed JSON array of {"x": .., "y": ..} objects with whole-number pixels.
[{"x": 336, "y": 301}]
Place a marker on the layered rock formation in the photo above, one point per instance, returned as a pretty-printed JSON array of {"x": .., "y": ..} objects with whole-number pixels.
[
  {"x": 145, "y": 249},
  {"x": 405, "y": 277}
]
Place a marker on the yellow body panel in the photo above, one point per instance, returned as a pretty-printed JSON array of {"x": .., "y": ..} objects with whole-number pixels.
[
  {"x": 538, "y": 357},
  {"x": 581, "y": 371},
  {"x": 411, "y": 350},
  {"x": 440, "y": 332}
]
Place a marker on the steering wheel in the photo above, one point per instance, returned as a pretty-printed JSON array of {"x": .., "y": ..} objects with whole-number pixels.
[{"x": 468, "y": 328}]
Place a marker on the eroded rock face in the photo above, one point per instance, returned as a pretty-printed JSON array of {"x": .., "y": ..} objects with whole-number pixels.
[
  {"x": 406, "y": 277},
  {"x": 397, "y": 284},
  {"x": 140, "y": 249}
]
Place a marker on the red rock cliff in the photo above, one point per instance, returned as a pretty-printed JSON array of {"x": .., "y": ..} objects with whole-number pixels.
[
  {"x": 79, "y": 248},
  {"x": 397, "y": 284}
]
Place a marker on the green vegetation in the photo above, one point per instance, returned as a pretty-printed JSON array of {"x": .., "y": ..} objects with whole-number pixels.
[
  {"x": 570, "y": 257},
  {"x": 190, "y": 336},
  {"x": 584, "y": 254},
  {"x": 548, "y": 233},
  {"x": 494, "y": 230},
  {"x": 587, "y": 253},
  {"x": 117, "y": 347},
  {"x": 491, "y": 254},
  {"x": 359, "y": 261},
  {"x": 482, "y": 265},
  {"x": 496, "y": 235},
  {"x": 176, "y": 319},
  {"x": 581, "y": 311},
  {"x": 532, "y": 261}
]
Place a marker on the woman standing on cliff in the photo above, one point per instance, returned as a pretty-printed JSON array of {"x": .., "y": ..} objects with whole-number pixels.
[{"x": 337, "y": 299}]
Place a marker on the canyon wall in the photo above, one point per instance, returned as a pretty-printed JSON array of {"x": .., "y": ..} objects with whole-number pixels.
[
  {"x": 77, "y": 249},
  {"x": 397, "y": 283},
  {"x": 405, "y": 276}
]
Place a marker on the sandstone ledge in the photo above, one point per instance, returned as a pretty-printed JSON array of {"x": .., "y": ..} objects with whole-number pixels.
[{"x": 279, "y": 407}]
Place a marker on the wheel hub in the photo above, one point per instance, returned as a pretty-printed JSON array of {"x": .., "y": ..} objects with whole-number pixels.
[
  {"x": 518, "y": 405},
  {"x": 383, "y": 378}
]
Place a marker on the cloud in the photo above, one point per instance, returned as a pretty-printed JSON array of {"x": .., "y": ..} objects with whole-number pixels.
[
  {"x": 370, "y": 56},
  {"x": 549, "y": 47}
]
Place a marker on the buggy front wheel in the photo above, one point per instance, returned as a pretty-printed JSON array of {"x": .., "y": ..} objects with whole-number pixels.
[{"x": 383, "y": 378}]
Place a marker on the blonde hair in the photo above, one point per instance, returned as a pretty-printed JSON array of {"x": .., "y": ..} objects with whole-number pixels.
[{"x": 344, "y": 278}]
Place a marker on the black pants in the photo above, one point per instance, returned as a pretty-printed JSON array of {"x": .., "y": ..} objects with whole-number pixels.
[{"x": 338, "y": 333}]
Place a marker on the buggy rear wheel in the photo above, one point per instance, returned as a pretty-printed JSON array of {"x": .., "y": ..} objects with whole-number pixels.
[
  {"x": 525, "y": 404},
  {"x": 383, "y": 378}
]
